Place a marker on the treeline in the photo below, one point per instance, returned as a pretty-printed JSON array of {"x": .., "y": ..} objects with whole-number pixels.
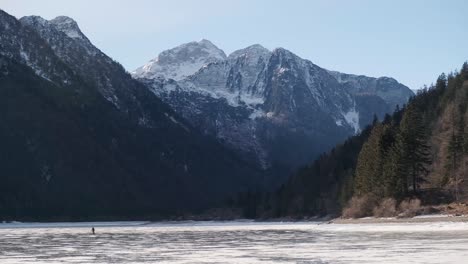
[
  {"x": 416, "y": 157},
  {"x": 394, "y": 160},
  {"x": 321, "y": 188},
  {"x": 68, "y": 155},
  {"x": 417, "y": 152}
]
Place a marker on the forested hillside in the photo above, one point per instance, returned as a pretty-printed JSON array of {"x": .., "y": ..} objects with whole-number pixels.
[
  {"x": 417, "y": 155},
  {"x": 80, "y": 139}
]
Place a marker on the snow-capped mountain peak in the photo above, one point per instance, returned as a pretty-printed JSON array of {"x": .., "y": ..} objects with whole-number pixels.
[
  {"x": 61, "y": 25},
  {"x": 182, "y": 61},
  {"x": 253, "y": 51},
  {"x": 35, "y": 20},
  {"x": 273, "y": 106},
  {"x": 68, "y": 26},
  {"x": 64, "y": 24},
  {"x": 285, "y": 55}
]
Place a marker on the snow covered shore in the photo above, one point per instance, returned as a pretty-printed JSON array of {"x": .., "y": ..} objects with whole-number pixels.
[{"x": 416, "y": 219}]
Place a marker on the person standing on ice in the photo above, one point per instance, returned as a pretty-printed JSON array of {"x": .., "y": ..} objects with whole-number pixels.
[{"x": 93, "y": 231}]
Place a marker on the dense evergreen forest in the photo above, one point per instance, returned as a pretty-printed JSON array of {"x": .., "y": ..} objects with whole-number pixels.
[
  {"x": 415, "y": 156},
  {"x": 69, "y": 151},
  {"x": 70, "y": 156}
]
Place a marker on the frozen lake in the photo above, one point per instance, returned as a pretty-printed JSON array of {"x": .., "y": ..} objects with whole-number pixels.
[{"x": 234, "y": 242}]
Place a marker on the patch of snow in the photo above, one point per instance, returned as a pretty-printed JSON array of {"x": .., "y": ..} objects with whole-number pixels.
[
  {"x": 397, "y": 227},
  {"x": 68, "y": 26},
  {"x": 282, "y": 70},
  {"x": 24, "y": 56},
  {"x": 176, "y": 72},
  {"x": 257, "y": 113},
  {"x": 111, "y": 97},
  {"x": 170, "y": 87},
  {"x": 26, "y": 59},
  {"x": 73, "y": 34},
  {"x": 434, "y": 216},
  {"x": 352, "y": 118},
  {"x": 254, "y": 51},
  {"x": 233, "y": 98},
  {"x": 200, "y": 67},
  {"x": 175, "y": 121},
  {"x": 251, "y": 100},
  {"x": 182, "y": 61}
]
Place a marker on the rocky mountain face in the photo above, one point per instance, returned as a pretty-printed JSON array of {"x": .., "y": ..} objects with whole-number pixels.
[
  {"x": 391, "y": 91},
  {"x": 272, "y": 106},
  {"x": 80, "y": 137},
  {"x": 183, "y": 61}
]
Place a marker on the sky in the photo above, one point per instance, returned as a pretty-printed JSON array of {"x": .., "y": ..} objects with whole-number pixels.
[{"x": 412, "y": 41}]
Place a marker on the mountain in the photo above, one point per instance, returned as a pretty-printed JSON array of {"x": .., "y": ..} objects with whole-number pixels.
[
  {"x": 273, "y": 107},
  {"x": 82, "y": 139},
  {"x": 183, "y": 61},
  {"x": 384, "y": 87}
]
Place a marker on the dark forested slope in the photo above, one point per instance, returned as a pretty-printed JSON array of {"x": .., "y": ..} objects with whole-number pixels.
[
  {"x": 419, "y": 152},
  {"x": 81, "y": 139}
]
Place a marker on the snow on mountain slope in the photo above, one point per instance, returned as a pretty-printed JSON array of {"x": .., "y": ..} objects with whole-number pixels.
[
  {"x": 68, "y": 26},
  {"x": 51, "y": 29},
  {"x": 67, "y": 41},
  {"x": 272, "y": 106},
  {"x": 387, "y": 88},
  {"x": 182, "y": 61}
]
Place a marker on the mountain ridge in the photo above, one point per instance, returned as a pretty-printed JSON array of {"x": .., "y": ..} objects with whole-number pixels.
[
  {"x": 267, "y": 95},
  {"x": 243, "y": 51}
]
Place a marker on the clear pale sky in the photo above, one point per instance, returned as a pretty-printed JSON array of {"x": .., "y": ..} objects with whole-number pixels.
[{"x": 410, "y": 40}]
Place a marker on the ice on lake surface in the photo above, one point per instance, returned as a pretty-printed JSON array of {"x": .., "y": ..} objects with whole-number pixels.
[{"x": 234, "y": 242}]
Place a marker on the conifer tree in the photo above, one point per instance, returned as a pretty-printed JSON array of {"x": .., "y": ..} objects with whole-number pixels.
[
  {"x": 369, "y": 178},
  {"x": 395, "y": 178},
  {"x": 441, "y": 82},
  {"x": 464, "y": 71},
  {"x": 413, "y": 146}
]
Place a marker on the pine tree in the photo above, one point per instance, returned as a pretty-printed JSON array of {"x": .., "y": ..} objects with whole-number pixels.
[
  {"x": 368, "y": 179},
  {"x": 413, "y": 147},
  {"x": 441, "y": 82},
  {"x": 396, "y": 181},
  {"x": 464, "y": 71}
]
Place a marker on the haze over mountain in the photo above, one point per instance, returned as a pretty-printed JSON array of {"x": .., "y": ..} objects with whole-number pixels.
[{"x": 271, "y": 106}]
